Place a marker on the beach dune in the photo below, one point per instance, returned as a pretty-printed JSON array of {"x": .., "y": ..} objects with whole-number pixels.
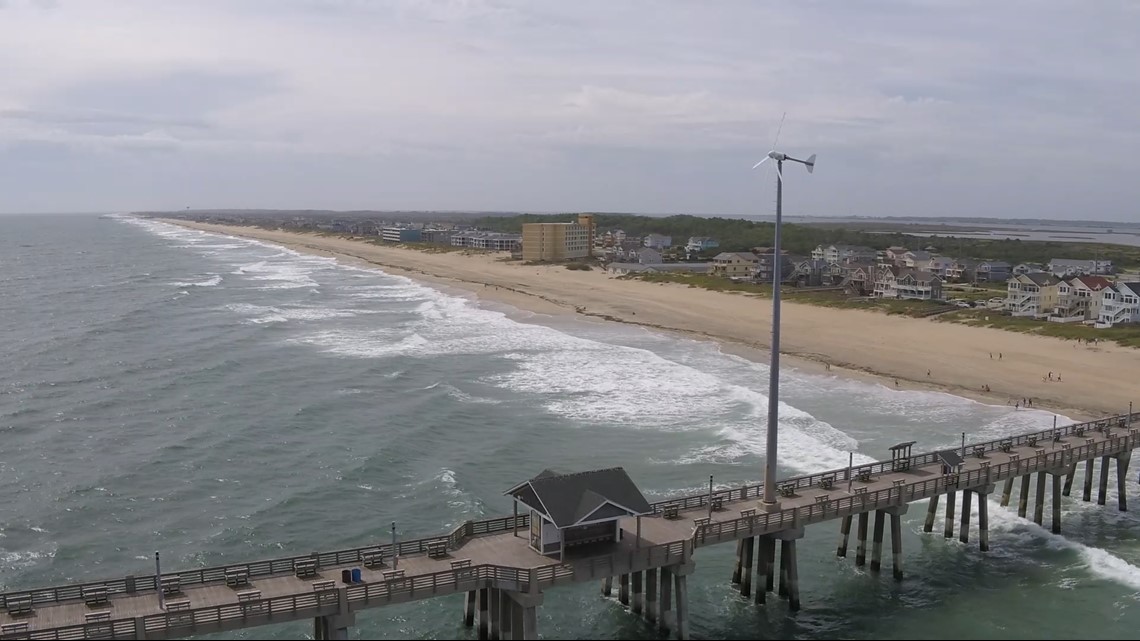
[{"x": 902, "y": 352}]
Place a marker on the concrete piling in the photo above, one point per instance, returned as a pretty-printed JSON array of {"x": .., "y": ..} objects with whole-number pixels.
[
  {"x": 1039, "y": 502},
  {"x": 623, "y": 589},
  {"x": 765, "y": 551},
  {"x": 469, "y": 601},
  {"x": 949, "y": 529},
  {"x": 861, "y": 540},
  {"x": 1056, "y": 529},
  {"x": 493, "y": 614},
  {"x": 984, "y": 521},
  {"x": 770, "y": 570},
  {"x": 844, "y": 536},
  {"x": 484, "y": 613},
  {"x": 664, "y": 620},
  {"x": 1023, "y": 498},
  {"x": 651, "y": 595},
  {"x": 964, "y": 532},
  {"x": 682, "y": 606},
  {"x": 931, "y": 514},
  {"x": 1087, "y": 495},
  {"x": 788, "y": 559},
  {"x": 1069, "y": 479},
  {"x": 1007, "y": 492},
  {"x": 1102, "y": 490},
  {"x": 637, "y": 595},
  {"x": 608, "y": 586},
  {"x": 746, "y": 568},
  {"x": 1122, "y": 461},
  {"x": 737, "y": 565},
  {"x": 896, "y": 545},
  {"x": 877, "y": 541}
]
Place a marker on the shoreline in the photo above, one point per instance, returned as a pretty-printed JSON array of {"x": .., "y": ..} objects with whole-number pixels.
[{"x": 854, "y": 344}]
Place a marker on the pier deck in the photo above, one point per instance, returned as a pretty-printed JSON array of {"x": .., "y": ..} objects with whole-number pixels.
[{"x": 500, "y": 559}]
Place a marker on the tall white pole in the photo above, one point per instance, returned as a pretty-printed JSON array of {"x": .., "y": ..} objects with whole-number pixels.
[{"x": 770, "y": 462}]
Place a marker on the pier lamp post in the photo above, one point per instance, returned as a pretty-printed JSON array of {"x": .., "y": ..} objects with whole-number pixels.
[{"x": 769, "y": 500}]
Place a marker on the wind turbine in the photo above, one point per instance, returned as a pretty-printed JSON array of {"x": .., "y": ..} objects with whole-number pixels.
[{"x": 769, "y": 500}]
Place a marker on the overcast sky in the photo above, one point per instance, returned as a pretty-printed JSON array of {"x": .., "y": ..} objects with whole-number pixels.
[{"x": 1010, "y": 108}]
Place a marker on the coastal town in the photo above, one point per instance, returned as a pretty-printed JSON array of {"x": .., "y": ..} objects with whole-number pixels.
[{"x": 1063, "y": 290}]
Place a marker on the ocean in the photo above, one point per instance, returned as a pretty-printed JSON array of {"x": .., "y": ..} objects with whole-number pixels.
[{"x": 216, "y": 399}]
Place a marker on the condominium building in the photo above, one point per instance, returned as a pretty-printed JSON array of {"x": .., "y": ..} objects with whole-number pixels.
[{"x": 552, "y": 242}]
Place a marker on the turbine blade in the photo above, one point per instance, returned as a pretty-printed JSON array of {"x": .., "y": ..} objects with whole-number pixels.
[
  {"x": 776, "y": 143},
  {"x": 779, "y": 173},
  {"x": 760, "y": 163},
  {"x": 810, "y": 162}
]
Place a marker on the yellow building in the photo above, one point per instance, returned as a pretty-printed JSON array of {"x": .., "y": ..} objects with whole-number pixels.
[{"x": 552, "y": 242}]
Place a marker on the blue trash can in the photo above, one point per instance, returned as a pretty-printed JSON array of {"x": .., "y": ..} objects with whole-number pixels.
[
  {"x": 356, "y": 575},
  {"x": 346, "y": 576}
]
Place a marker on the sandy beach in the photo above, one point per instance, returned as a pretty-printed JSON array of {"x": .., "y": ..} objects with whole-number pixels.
[{"x": 905, "y": 352}]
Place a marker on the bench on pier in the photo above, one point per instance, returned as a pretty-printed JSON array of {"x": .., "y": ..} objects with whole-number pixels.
[
  {"x": 1057, "y": 436},
  {"x": 1007, "y": 445},
  {"x": 898, "y": 482},
  {"x": 826, "y": 482},
  {"x": 250, "y": 601},
  {"x": 1039, "y": 451},
  {"x": 671, "y": 511},
  {"x": 1066, "y": 446},
  {"x": 96, "y": 617},
  {"x": 327, "y": 584},
  {"x": 463, "y": 569},
  {"x": 1031, "y": 441},
  {"x": 823, "y": 499},
  {"x": 864, "y": 475},
  {"x": 1100, "y": 425},
  {"x": 18, "y": 604},
  {"x": 1090, "y": 441},
  {"x": 236, "y": 577},
  {"x": 178, "y": 606},
  {"x": 395, "y": 579},
  {"x": 1013, "y": 458},
  {"x": 437, "y": 549},
  {"x": 1079, "y": 431},
  {"x": 860, "y": 491},
  {"x": 980, "y": 451},
  {"x": 717, "y": 503},
  {"x": 95, "y": 595},
  {"x": 701, "y": 522},
  {"x": 747, "y": 514},
  {"x": 305, "y": 568},
  {"x": 13, "y": 628},
  {"x": 787, "y": 489},
  {"x": 171, "y": 585},
  {"x": 372, "y": 558}
]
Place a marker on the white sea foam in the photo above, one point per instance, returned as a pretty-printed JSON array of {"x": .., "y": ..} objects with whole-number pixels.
[{"x": 213, "y": 281}]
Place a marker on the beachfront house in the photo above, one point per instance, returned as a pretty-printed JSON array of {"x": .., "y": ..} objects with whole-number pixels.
[
  {"x": 734, "y": 264},
  {"x": 992, "y": 271},
  {"x": 649, "y": 256},
  {"x": 1026, "y": 268},
  {"x": 891, "y": 255},
  {"x": 1031, "y": 295},
  {"x": 907, "y": 283},
  {"x": 1119, "y": 304},
  {"x": 842, "y": 253},
  {"x": 962, "y": 270},
  {"x": 568, "y": 510},
  {"x": 657, "y": 241},
  {"x": 916, "y": 259},
  {"x": 1088, "y": 295},
  {"x": 1064, "y": 267},
  {"x": 698, "y": 244},
  {"x": 858, "y": 279},
  {"x": 940, "y": 265},
  {"x": 762, "y": 272},
  {"x": 813, "y": 272}
]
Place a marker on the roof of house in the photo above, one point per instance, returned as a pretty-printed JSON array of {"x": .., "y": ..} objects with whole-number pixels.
[
  {"x": 748, "y": 256},
  {"x": 919, "y": 255},
  {"x": 1071, "y": 262},
  {"x": 569, "y": 499},
  {"x": 995, "y": 263},
  {"x": 1095, "y": 283},
  {"x": 919, "y": 275},
  {"x": 1043, "y": 279}
]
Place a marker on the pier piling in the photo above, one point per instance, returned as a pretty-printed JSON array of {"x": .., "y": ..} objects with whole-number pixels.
[
  {"x": 1122, "y": 461},
  {"x": 1087, "y": 496},
  {"x": 1007, "y": 492},
  {"x": 984, "y": 521},
  {"x": 1039, "y": 500},
  {"x": 664, "y": 621},
  {"x": 844, "y": 536},
  {"x": 861, "y": 540},
  {"x": 1102, "y": 490},
  {"x": 877, "y": 541},
  {"x": 651, "y": 595},
  {"x": 949, "y": 530},
  {"x": 1069, "y": 479},
  {"x": 1056, "y": 528},
  {"x": 1023, "y": 498},
  {"x": 746, "y": 569},
  {"x": 964, "y": 531},
  {"x": 896, "y": 545},
  {"x": 931, "y": 514}
]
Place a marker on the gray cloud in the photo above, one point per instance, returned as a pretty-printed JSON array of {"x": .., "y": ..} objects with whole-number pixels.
[{"x": 936, "y": 107}]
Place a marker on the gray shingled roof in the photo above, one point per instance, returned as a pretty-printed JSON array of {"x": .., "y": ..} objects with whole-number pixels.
[
  {"x": 950, "y": 457},
  {"x": 570, "y": 498}
]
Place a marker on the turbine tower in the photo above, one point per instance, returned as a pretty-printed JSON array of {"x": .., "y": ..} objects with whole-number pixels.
[{"x": 769, "y": 500}]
